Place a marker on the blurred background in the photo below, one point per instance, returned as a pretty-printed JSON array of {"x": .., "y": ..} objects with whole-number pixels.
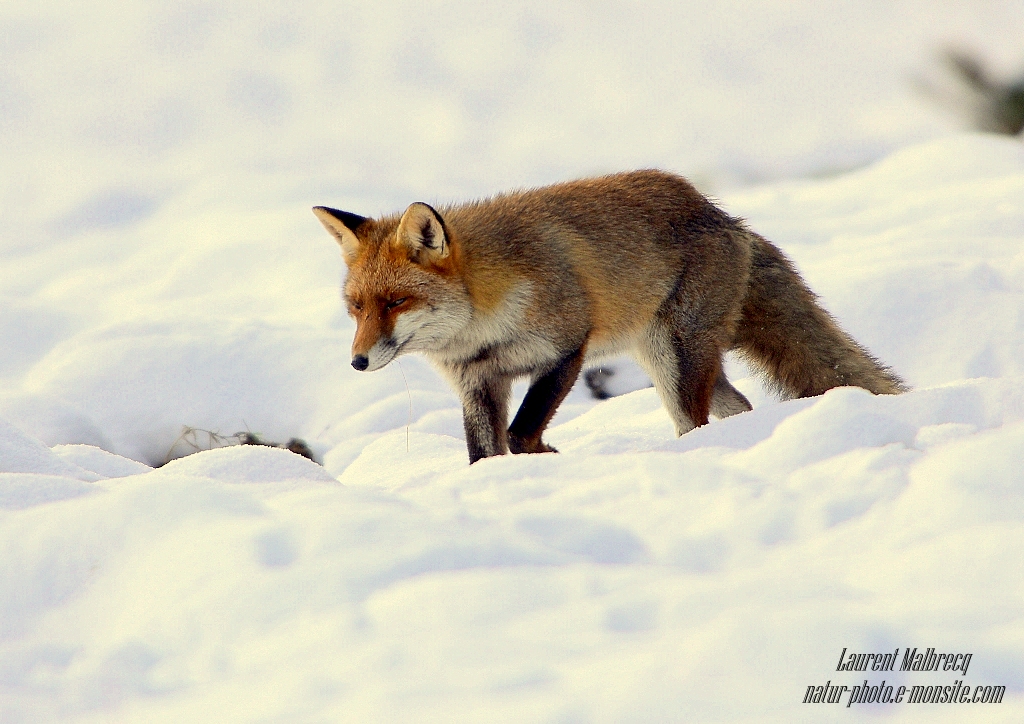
[{"x": 109, "y": 109}]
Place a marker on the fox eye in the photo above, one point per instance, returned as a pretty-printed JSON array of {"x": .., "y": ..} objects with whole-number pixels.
[
  {"x": 356, "y": 306},
  {"x": 396, "y": 303}
]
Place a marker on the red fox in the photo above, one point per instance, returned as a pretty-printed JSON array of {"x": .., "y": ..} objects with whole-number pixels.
[{"x": 534, "y": 283}]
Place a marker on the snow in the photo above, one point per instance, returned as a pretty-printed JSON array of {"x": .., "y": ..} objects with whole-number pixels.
[{"x": 162, "y": 272}]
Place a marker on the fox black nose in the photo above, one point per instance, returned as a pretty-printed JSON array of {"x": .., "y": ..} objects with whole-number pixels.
[{"x": 360, "y": 362}]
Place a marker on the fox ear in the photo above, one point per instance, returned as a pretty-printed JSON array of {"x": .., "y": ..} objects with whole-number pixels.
[
  {"x": 342, "y": 226},
  {"x": 423, "y": 234}
]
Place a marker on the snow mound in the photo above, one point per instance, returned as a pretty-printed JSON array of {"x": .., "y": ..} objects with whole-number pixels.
[
  {"x": 20, "y": 453},
  {"x": 248, "y": 464},
  {"x": 99, "y": 461}
]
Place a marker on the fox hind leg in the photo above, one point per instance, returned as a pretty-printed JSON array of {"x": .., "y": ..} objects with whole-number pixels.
[
  {"x": 541, "y": 401},
  {"x": 685, "y": 369},
  {"x": 726, "y": 400}
]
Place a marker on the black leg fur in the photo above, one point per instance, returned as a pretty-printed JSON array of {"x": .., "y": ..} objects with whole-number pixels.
[
  {"x": 484, "y": 413},
  {"x": 540, "y": 404}
]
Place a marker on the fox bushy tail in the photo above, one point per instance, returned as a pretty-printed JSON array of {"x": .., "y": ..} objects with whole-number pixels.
[{"x": 785, "y": 333}]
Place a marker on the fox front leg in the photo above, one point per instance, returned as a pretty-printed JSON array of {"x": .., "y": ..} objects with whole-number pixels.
[
  {"x": 540, "y": 404},
  {"x": 484, "y": 415}
]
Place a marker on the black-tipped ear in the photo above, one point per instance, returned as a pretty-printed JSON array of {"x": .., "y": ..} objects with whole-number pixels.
[
  {"x": 423, "y": 234},
  {"x": 351, "y": 221},
  {"x": 342, "y": 226}
]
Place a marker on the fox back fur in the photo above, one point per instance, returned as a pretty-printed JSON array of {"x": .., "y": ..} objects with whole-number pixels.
[{"x": 534, "y": 283}]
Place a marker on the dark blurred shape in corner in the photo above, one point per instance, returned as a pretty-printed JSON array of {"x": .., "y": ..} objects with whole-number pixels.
[{"x": 968, "y": 88}]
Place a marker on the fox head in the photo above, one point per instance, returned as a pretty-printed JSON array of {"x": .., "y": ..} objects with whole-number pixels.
[{"x": 404, "y": 288}]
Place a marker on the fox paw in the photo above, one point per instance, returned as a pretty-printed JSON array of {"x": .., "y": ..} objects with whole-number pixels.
[{"x": 519, "y": 445}]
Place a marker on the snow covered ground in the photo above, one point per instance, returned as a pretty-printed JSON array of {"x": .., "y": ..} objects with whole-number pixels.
[{"x": 160, "y": 269}]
